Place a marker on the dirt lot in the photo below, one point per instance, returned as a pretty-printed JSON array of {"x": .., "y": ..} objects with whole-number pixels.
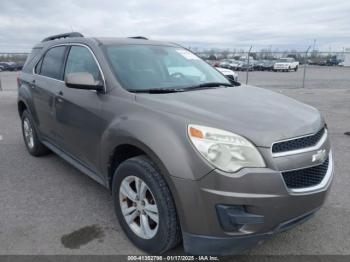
[{"x": 49, "y": 207}]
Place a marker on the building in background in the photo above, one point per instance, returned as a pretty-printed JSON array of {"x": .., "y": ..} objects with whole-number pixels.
[{"x": 347, "y": 57}]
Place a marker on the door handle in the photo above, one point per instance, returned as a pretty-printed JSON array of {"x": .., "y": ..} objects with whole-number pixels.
[
  {"x": 59, "y": 97},
  {"x": 32, "y": 85}
]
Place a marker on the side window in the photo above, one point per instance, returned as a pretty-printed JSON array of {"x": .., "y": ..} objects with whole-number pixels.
[
  {"x": 80, "y": 60},
  {"x": 52, "y": 63},
  {"x": 38, "y": 66}
]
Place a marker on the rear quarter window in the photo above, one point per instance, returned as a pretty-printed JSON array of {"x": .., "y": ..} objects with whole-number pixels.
[{"x": 28, "y": 65}]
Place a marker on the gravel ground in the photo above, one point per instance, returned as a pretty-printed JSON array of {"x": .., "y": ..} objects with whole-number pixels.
[{"x": 49, "y": 207}]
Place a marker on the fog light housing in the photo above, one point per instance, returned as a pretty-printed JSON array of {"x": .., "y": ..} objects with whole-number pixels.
[{"x": 234, "y": 217}]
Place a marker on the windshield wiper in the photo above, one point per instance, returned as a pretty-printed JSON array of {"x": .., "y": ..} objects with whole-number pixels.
[
  {"x": 157, "y": 90},
  {"x": 214, "y": 84},
  {"x": 207, "y": 85},
  {"x": 176, "y": 90}
]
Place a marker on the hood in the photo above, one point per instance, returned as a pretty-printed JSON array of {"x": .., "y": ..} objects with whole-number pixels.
[{"x": 260, "y": 115}]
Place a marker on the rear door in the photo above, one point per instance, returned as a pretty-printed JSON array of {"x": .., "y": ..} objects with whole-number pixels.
[
  {"x": 47, "y": 82},
  {"x": 78, "y": 111}
]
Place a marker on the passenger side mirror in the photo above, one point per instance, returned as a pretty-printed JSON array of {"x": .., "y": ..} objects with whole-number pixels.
[{"x": 83, "y": 81}]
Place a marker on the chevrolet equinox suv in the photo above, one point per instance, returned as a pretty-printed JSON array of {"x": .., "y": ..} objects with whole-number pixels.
[{"x": 188, "y": 154}]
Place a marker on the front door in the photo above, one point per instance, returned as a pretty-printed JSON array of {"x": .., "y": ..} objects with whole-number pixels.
[{"x": 78, "y": 111}]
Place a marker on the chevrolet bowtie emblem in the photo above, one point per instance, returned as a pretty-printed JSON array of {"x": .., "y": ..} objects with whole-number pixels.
[{"x": 320, "y": 156}]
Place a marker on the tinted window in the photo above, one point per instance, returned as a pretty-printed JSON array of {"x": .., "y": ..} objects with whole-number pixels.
[
  {"x": 52, "y": 63},
  {"x": 38, "y": 66},
  {"x": 80, "y": 60}
]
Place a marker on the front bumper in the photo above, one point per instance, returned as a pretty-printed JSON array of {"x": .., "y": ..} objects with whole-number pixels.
[
  {"x": 208, "y": 245},
  {"x": 259, "y": 191}
]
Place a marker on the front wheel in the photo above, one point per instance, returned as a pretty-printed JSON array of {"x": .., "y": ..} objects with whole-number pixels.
[{"x": 144, "y": 206}]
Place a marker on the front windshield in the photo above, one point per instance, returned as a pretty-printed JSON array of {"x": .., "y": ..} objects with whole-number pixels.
[{"x": 144, "y": 67}]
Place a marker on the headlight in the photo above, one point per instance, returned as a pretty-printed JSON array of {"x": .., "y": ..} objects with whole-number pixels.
[{"x": 224, "y": 150}]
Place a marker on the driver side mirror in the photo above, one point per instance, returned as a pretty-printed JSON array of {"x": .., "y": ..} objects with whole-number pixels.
[{"x": 83, "y": 80}]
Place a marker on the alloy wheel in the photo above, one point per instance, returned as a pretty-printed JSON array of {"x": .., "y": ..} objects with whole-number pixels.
[
  {"x": 139, "y": 207},
  {"x": 28, "y": 133}
]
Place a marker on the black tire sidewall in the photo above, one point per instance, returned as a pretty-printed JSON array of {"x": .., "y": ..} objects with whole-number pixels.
[{"x": 158, "y": 243}]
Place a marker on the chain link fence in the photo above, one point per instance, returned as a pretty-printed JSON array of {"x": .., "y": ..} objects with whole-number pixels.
[
  {"x": 285, "y": 69},
  {"x": 13, "y": 57}
]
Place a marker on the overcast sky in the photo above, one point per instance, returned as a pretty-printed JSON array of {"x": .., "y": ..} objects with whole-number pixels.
[{"x": 207, "y": 23}]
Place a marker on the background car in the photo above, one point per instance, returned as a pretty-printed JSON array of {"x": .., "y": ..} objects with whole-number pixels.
[
  {"x": 230, "y": 64},
  {"x": 5, "y": 66},
  {"x": 286, "y": 64},
  {"x": 228, "y": 73},
  {"x": 11, "y": 66},
  {"x": 333, "y": 61},
  {"x": 224, "y": 64},
  {"x": 245, "y": 66},
  {"x": 18, "y": 66},
  {"x": 265, "y": 65}
]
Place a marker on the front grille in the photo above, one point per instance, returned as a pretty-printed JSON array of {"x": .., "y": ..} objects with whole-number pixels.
[
  {"x": 298, "y": 143},
  {"x": 306, "y": 177}
]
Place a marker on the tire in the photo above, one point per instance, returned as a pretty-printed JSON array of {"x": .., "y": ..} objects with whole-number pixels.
[
  {"x": 296, "y": 69},
  {"x": 166, "y": 234},
  {"x": 30, "y": 136}
]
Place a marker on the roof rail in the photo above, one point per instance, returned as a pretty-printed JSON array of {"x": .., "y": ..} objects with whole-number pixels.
[
  {"x": 138, "y": 37},
  {"x": 65, "y": 35}
]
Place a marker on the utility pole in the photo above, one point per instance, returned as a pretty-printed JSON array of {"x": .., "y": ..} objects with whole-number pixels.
[
  {"x": 314, "y": 46},
  {"x": 246, "y": 79},
  {"x": 305, "y": 64}
]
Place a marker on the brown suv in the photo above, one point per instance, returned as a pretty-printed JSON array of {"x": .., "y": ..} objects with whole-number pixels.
[{"x": 188, "y": 154}]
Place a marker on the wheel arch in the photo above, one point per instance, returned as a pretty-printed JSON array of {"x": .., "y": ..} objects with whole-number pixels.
[
  {"x": 25, "y": 102},
  {"x": 130, "y": 148},
  {"x": 21, "y": 106}
]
